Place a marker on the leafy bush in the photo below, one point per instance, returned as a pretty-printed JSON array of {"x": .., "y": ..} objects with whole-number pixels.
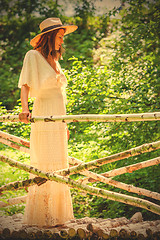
[{"x": 87, "y": 92}]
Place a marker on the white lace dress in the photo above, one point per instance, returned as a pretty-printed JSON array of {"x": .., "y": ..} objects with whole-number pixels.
[{"x": 50, "y": 203}]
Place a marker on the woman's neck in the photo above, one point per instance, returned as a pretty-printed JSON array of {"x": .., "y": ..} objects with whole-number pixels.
[{"x": 54, "y": 63}]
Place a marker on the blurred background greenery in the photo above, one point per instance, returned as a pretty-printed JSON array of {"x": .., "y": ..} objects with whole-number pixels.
[{"x": 112, "y": 66}]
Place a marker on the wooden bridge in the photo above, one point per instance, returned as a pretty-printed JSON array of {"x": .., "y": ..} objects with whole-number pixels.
[{"x": 78, "y": 166}]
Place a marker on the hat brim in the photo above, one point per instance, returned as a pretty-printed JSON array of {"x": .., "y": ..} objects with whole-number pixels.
[{"x": 69, "y": 29}]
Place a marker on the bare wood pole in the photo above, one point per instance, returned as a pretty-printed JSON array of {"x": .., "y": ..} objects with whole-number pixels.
[
  {"x": 115, "y": 157},
  {"x": 75, "y": 161},
  {"x": 127, "y": 169},
  {"x": 14, "y": 145},
  {"x": 13, "y": 142},
  {"x": 124, "y": 186},
  {"x": 92, "y": 190},
  {"x": 132, "y": 168},
  {"x": 5, "y": 138},
  {"x": 13, "y": 201},
  {"x": 112, "y": 182},
  {"x": 155, "y": 116},
  {"x": 92, "y": 177},
  {"x": 22, "y": 184},
  {"x": 13, "y": 138}
]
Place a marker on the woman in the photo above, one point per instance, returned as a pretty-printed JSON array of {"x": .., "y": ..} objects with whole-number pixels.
[{"x": 42, "y": 77}]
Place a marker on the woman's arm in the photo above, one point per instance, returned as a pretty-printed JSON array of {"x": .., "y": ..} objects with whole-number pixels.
[{"x": 24, "y": 100}]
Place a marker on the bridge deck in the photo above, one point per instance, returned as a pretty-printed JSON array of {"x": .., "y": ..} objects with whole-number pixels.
[{"x": 11, "y": 227}]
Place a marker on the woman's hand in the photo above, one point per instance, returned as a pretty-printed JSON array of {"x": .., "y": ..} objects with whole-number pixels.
[{"x": 24, "y": 116}]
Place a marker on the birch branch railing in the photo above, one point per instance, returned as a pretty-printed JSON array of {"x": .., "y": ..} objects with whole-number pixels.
[
  {"x": 83, "y": 168},
  {"x": 128, "y": 169},
  {"x": 115, "y": 157},
  {"x": 155, "y": 116},
  {"x": 92, "y": 190},
  {"x": 112, "y": 173},
  {"x": 92, "y": 176}
]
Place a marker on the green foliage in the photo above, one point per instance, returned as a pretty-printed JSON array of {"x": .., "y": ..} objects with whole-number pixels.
[
  {"x": 9, "y": 174},
  {"x": 125, "y": 79},
  {"x": 136, "y": 56},
  {"x": 131, "y": 84},
  {"x": 84, "y": 10},
  {"x": 19, "y": 23},
  {"x": 85, "y": 84},
  {"x": 18, "y": 128}
]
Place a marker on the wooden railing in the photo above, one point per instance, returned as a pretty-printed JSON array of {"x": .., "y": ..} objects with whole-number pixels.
[
  {"x": 154, "y": 116},
  {"x": 78, "y": 166}
]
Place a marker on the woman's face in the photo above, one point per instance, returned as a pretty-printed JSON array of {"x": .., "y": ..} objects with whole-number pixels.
[{"x": 59, "y": 39}]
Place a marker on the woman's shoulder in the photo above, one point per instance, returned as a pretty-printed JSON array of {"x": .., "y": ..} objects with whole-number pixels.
[
  {"x": 32, "y": 56},
  {"x": 31, "y": 53}
]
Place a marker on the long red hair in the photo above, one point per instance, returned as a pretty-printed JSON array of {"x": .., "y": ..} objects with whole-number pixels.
[{"x": 46, "y": 45}]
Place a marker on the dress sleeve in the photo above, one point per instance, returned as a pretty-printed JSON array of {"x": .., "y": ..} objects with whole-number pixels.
[{"x": 29, "y": 72}]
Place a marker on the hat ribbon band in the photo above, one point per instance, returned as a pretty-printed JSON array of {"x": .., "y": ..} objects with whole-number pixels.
[{"x": 51, "y": 27}]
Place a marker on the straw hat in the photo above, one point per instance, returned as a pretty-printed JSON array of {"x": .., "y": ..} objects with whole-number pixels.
[{"x": 49, "y": 25}]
